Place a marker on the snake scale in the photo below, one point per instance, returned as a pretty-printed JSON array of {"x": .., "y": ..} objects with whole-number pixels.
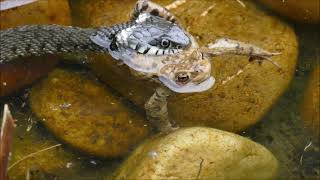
[{"x": 49, "y": 39}]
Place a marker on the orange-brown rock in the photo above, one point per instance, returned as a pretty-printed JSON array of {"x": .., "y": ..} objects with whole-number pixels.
[
  {"x": 36, "y": 12},
  {"x": 16, "y": 75},
  {"x": 85, "y": 115},
  {"x": 306, "y": 11}
]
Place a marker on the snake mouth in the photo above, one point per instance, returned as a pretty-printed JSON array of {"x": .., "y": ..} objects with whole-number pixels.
[{"x": 188, "y": 88}]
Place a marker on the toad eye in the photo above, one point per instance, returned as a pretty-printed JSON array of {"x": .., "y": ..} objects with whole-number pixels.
[
  {"x": 165, "y": 43},
  {"x": 182, "y": 78}
]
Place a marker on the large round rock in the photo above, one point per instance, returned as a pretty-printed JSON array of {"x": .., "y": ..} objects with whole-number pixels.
[
  {"x": 244, "y": 91},
  {"x": 85, "y": 115},
  {"x": 199, "y": 153}
]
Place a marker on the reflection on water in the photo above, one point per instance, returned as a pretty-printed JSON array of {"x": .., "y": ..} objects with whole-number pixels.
[{"x": 281, "y": 129}]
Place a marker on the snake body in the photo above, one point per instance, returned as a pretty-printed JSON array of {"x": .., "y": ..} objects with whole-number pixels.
[{"x": 37, "y": 40}]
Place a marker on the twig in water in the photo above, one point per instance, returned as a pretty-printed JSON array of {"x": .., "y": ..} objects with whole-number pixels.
[
  {"x": 6, "y": 135},
  {"x": 175, "y": 4},
  {"x": 241, "y": 3},
  {"x": 200, "y": 168},
  {"x": 33, "y": 154},
  {"x": 229, "y": 78},
  {"x": 304, "y": 150},
  {"x": 207, "y": 10}
]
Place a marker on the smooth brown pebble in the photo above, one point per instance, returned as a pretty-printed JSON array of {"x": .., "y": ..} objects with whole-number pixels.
[{"x": 85, "y": 115}]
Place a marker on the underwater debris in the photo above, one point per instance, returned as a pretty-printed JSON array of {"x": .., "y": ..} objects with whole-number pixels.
[
  {"x": 33, "y": 154},
  {"x": 207, "y": 10},
  {"x": 241, "y": 3},
  {"x": 6, "y": 136}
]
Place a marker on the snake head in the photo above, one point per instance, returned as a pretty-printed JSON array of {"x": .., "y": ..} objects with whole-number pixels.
[
  {"x": 187, "y": 72},
  {"x": 153, "y": 36}
]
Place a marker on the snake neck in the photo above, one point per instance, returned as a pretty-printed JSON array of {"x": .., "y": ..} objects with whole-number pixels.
[{"x": 38, "y": 40}]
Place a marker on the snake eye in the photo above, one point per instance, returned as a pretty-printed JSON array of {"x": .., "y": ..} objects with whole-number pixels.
[
  {"x": 182, "y": 78},
  {"x": 165, "y": 43}
]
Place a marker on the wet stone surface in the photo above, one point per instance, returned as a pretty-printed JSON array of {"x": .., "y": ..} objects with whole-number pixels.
[
  {"x": 82, "y": 113},
  {"x": 199, "y": 153}
]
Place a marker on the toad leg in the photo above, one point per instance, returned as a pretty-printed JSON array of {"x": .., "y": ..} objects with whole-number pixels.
[
  {"x": 157, "y": 110},
  {"x": 228, "y": 46},
  {"x": 146, "y": 6}
]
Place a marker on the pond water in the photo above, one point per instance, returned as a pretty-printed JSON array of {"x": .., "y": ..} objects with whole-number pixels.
[{"x": 87, "y": 121}]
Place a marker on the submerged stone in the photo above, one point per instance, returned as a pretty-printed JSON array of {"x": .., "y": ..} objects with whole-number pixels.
[
  {"x": 244, "y": 91},
  {"x": 82, "y": 113},
  {"x": 199, "y": 153},
  {"x": 16, "y": 75}
]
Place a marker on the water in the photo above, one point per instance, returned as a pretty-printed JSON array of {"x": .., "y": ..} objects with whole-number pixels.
[{"x": 277, "y": 103}]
